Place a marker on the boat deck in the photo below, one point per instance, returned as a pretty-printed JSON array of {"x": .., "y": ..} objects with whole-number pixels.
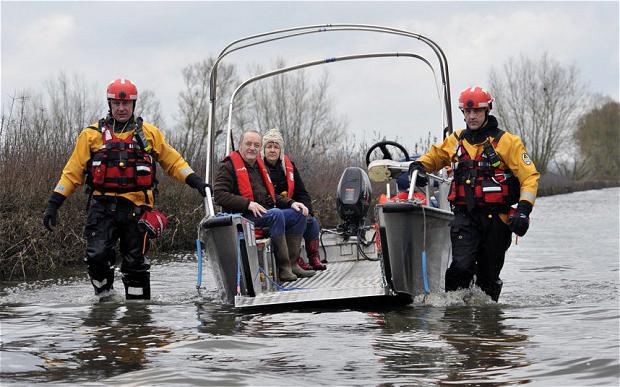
[{"x": 343, "y": 280}]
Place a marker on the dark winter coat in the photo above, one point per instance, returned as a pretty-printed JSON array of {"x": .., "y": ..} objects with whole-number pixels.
[
  {"x": 278, "y": 178},
  {"x": 227, "y": 194}
]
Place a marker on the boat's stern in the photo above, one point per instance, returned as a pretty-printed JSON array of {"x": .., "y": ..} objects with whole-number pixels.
[{"x": 415, "y": 246}]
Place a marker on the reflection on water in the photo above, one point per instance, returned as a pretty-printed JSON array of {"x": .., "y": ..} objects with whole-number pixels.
[
  {"x": 456, "y": 344},
  {"x": 119, "y": 337},
  {"x": 487, "y": 347},
  {"x": 110, "y": 339},
  {"x": 557, "y": 323},
  {"x": 220, "y": 320}
]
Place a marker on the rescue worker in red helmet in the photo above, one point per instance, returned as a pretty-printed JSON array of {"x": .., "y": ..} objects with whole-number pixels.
[
  {"x": 116, "y": 158},
  {"x": 492, "y": 171}
]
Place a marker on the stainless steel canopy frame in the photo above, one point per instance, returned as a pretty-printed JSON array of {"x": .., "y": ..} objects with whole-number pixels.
[{"x": 288, "y": 33}]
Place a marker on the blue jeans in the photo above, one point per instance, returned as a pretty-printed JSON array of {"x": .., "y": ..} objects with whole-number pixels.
[
  {"x": 280, "y": 222},
  {"x": 312, "y": 229}
]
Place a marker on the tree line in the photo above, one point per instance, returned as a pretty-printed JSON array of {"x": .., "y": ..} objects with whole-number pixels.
[
  {"x": 569, "y": 133},
  {"x": 566, "y": 129}
]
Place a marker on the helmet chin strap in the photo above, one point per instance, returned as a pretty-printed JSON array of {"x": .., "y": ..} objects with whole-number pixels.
[{"x": 115, "y": 121}]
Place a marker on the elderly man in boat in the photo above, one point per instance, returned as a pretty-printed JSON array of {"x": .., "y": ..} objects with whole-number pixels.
[{"x": 242, "y": 185}]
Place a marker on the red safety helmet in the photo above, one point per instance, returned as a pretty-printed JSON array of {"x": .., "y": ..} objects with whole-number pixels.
[
  {"x": 475, "y": 97},
  {"x": 122, "y": 89}
]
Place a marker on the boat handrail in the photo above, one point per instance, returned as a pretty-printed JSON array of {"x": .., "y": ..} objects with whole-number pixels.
[{"x": 430, "y": 176}]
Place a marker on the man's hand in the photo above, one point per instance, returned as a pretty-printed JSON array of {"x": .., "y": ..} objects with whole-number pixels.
[
  {"x": 256, "y": 209},
  {"x": 421, "y": 181},
  {"x": 519, "y": 222},
  {"x": 300, "y": 207},
  {"x": 197, "y": 183},
  {"x": 50, "y": 216}
]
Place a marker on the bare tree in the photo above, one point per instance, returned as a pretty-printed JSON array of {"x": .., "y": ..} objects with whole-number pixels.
[
  {"x": 302, "y": 110},
  {"x": 540, "y": 101},
  {"x": 574, "y": 169},
  {"x": 47, "y": 122},
  {"x": 190, "y": 136},
  {"x": 72, "y": 105},
  {"x": 149, "y": 108}
]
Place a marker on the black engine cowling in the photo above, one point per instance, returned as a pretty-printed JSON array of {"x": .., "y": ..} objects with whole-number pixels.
[{"x": 353, "y": 196}]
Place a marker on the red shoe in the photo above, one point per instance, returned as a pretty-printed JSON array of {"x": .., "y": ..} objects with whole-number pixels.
[
  {"x": 303, "y": 264},
  {"x": 312, "y": 250},
  {"x": 315, "y": 263}
]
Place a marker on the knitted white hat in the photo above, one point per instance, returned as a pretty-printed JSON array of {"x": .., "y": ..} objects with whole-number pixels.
[{"x": 274, "y": 135}]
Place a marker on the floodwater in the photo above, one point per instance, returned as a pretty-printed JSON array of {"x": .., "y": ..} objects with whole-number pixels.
[{"x": 557, "y": 323}]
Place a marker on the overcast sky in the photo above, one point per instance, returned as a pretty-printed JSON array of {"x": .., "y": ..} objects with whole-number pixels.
[{"x": 150, "y": 43}]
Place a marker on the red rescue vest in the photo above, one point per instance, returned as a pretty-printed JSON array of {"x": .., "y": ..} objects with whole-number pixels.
[
  {"x": 289, "y": 171},
  {"x": 121, "y": 165},
  {"x": 243, "y": 178},
  {"x": 479, "y": 181}
]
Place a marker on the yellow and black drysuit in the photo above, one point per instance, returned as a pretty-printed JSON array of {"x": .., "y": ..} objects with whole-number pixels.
[
  {"x": 121, "y": 193},
  {"x": 492, "y": 171}
]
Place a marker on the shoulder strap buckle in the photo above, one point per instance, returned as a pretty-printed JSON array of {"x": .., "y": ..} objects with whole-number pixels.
[{"x": 140, "y": 137}]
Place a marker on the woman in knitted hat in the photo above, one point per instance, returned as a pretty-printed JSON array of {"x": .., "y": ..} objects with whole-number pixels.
[{"x": 287, "y": 182}]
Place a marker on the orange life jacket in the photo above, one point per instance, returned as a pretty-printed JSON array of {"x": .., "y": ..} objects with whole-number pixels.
[
  {"x": 243, "y": 178},
  {"x": 479, "y": 181},
  {"x": 289, "y": 171},
  {"x": 121, "y": 165}
]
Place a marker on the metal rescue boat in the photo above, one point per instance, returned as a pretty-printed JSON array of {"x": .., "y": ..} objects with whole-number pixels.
[{"x": 403, "y": 254}]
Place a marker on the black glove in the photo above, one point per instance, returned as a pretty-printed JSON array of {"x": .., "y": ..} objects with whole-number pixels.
[
  {"x": 50, "y": 216},
  {"x": 197, "y": 183},
  {"x": 520, "y": 221},
  {"x": 421, "y": 181}
]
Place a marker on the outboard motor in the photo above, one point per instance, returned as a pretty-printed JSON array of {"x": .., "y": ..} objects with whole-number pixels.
[{"x": 353, "y": 199}]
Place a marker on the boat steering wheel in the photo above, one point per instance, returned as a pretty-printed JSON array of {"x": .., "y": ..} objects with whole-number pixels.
[{"x": 384, "y": 146}]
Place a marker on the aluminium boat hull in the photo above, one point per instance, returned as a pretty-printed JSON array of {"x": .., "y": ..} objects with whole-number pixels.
[
  {"x": 408, "y": 229},
  {"x": 245, "y": 274}
]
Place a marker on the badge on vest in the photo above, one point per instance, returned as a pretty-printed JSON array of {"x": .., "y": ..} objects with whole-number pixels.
[{"x": 526, "y": 159}]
